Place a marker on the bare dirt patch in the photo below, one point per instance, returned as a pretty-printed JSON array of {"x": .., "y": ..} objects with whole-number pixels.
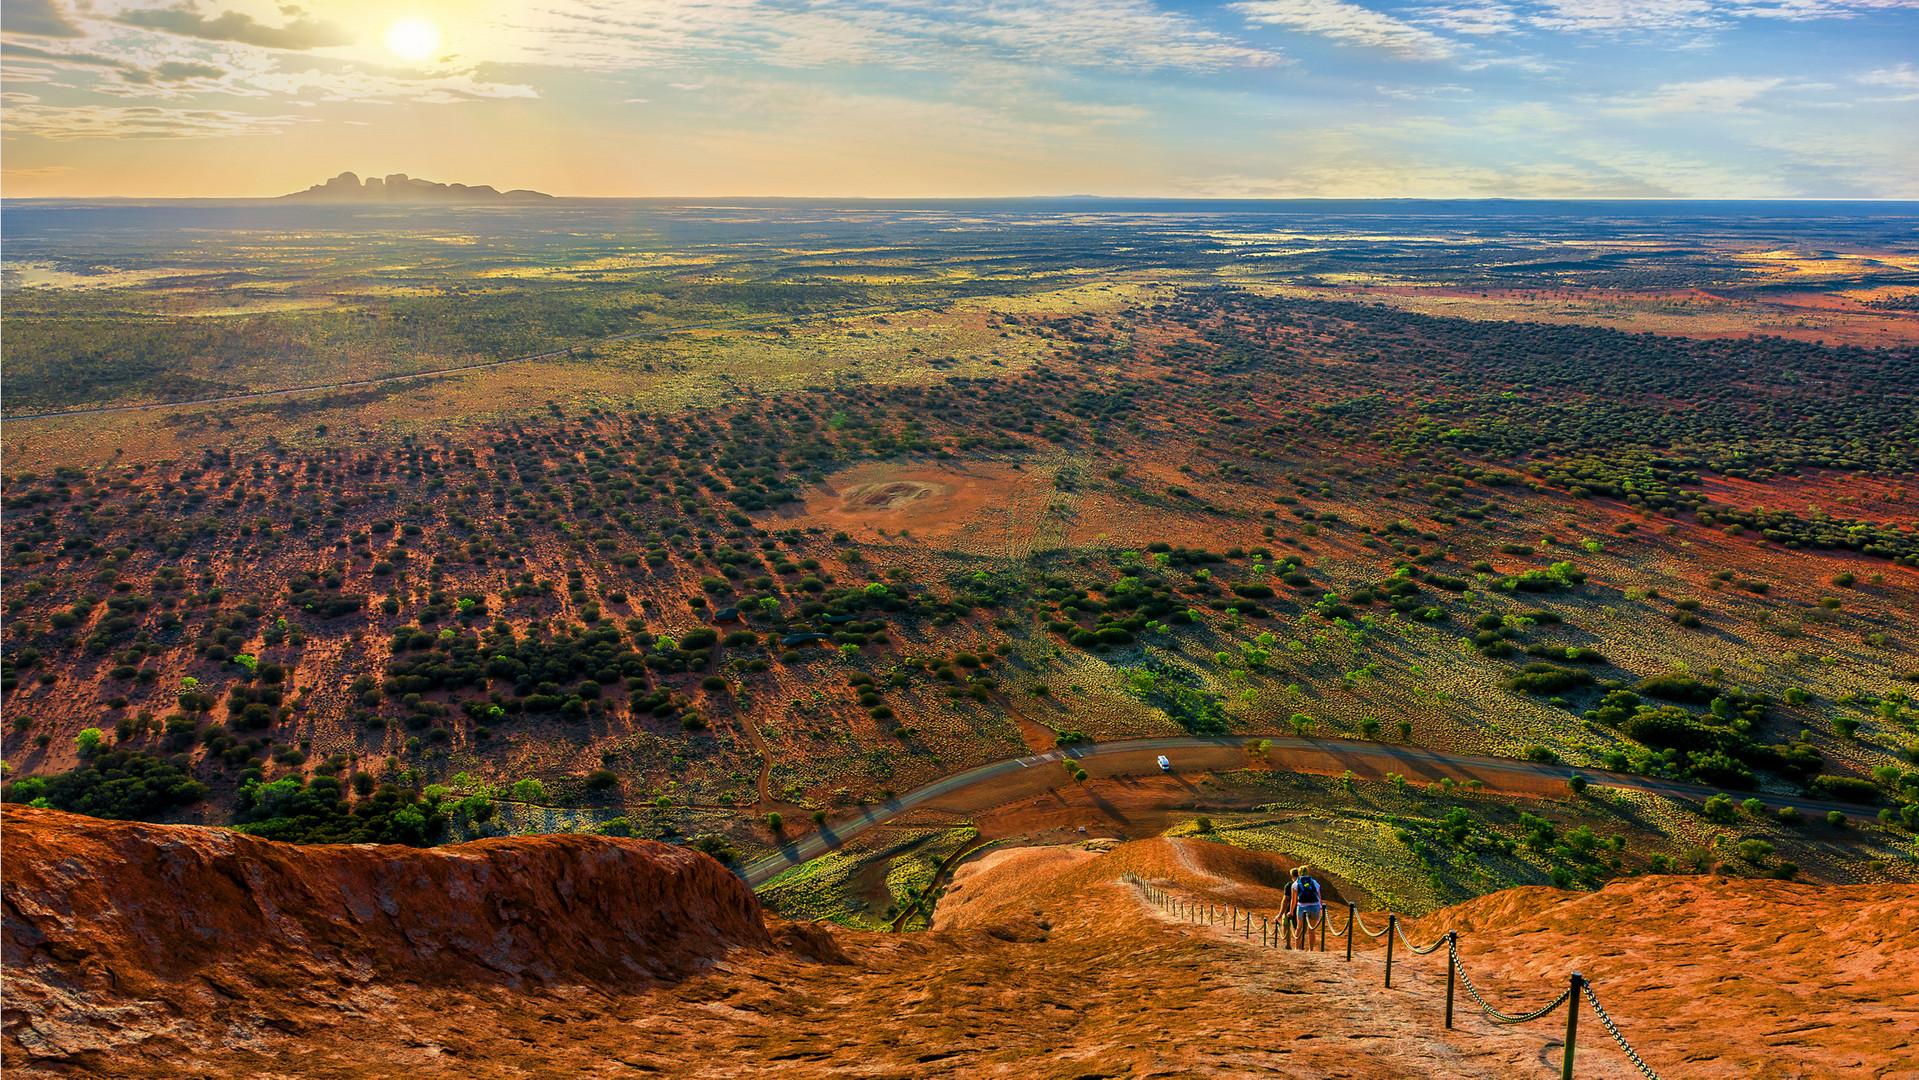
[
  {"x": 889, "y": 496},
  {"x": 978, "y": 506}
]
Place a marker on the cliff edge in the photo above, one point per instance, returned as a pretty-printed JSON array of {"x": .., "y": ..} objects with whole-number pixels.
[{"x": 118, "y": 933}]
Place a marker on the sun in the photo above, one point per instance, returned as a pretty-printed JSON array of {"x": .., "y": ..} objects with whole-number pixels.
[{"x": 413, "y": 39}]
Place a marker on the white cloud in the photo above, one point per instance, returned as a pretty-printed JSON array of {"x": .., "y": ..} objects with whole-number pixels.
[
  {"x": 1903, "y": 81},
  {"x": 350, "y": 83},
  {"x": 901, "y": 34},
  {"x": 1801, "y": 10},
  {"x": 137, "y": 122},
  {"x": 1726, "y": 94},
  {"x": 1482, "y": 19},
  {"x": 1653, "y": 16},
  {"x": 1348, "y": 23},
  {"x": 1634, "y": 16}
]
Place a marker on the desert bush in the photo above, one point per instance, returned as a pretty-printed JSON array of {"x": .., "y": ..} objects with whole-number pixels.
[
  {"x": 121, "y": 784},
  {"x": 1544, "y": 678},
  {"x": 1846, "y": 788}
]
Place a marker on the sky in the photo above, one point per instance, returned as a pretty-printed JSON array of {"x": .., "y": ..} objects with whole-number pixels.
[{"x": 967, "y": 98}]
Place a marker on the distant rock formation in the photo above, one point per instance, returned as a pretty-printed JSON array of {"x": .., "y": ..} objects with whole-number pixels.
[{"x": 401, "y": 188}]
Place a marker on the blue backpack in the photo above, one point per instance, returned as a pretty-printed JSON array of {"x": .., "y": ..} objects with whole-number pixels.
[{"x": 1306, "y": 891}]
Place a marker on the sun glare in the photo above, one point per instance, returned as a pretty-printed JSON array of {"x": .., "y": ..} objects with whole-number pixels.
[{"x": 413, "y": 39}]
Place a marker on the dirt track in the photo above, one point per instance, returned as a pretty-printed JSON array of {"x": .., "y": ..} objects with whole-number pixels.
[{"x": 1145, "y": 789}]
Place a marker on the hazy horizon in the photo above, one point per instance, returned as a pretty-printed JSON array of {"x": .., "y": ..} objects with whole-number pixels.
[{"x": 1663, "y": 99}]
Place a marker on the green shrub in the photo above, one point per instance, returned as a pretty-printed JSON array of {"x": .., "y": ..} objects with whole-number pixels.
[
  {"x": 89, "y": 741},
  {"x": 1846, "y": 789},
  {"x": 120, "y": 784},
  {"x": 1541, "y": 678},
  {"x": 1676, "y": 688},
  {"x": 716, "y": 846}
]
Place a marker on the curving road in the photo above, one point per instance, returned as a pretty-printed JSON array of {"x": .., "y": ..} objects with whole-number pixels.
[
  {"x": 756, "y": 320},
  {"x": 1137, "y": 756}
]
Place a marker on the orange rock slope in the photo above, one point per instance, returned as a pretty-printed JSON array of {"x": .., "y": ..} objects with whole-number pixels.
[{"x": 168, "y": 951}]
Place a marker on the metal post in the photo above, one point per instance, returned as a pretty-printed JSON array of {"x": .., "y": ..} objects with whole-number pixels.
[
  {"x": 1452, "y": 953},
  {"x": 1352, "y": 910},
  {"x": 1265, "y": 931},
  {"x": 1392, "y": 931},
  {"x": 1323, "y": 920},
  {"x": 1572, "y": 1025}
]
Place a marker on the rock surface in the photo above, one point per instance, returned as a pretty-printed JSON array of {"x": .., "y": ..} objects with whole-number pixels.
[
  {"x": 120, "y": 935},
  {"x": 156, "y": 951}
]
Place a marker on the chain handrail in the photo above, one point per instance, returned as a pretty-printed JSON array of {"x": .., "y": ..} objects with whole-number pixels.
[
  {"x": 1417, "y": 951},
  {"x": 1613, "y": 1029},
  {"x": 1579, "y": 986},
  {"x": 1495, "y": 1014},
  {"x": 1363, "y": 929}
]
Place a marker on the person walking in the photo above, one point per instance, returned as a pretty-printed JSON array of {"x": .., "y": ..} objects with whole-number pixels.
[{"x": 1303, "y": 903}]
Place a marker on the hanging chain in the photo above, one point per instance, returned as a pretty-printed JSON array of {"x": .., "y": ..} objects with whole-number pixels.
[
  {"x": 1600, "y": 1011},
  {"x": 1495, "y": 1014},
  {"x": 1417, "y": 951},
  {"x": 1362, "y": 926},
  {"x": 1325, "y": 919}
]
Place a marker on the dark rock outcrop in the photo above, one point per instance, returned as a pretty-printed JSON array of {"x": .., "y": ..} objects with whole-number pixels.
[{"x": 401, "y": 188}]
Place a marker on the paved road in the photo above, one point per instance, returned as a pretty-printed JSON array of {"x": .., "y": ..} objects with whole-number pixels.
[
  {"x": 1331, "y": 755},
  {"x": 754, "y": 320}
]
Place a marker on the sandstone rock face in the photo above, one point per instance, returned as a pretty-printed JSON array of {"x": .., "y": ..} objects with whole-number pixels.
[
  {"x": 139, "y": 951},
  {"x": 119, "y": 934}
]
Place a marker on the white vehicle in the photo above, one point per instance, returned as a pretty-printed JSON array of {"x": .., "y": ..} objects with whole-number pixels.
[{"x": 1165, "y": 765}]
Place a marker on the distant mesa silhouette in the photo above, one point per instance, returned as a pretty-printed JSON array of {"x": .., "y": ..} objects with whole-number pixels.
[{"x": 401, "y": 188}]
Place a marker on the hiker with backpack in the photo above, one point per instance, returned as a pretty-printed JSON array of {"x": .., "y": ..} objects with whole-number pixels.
[{"x": 1303, "y": 904}]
